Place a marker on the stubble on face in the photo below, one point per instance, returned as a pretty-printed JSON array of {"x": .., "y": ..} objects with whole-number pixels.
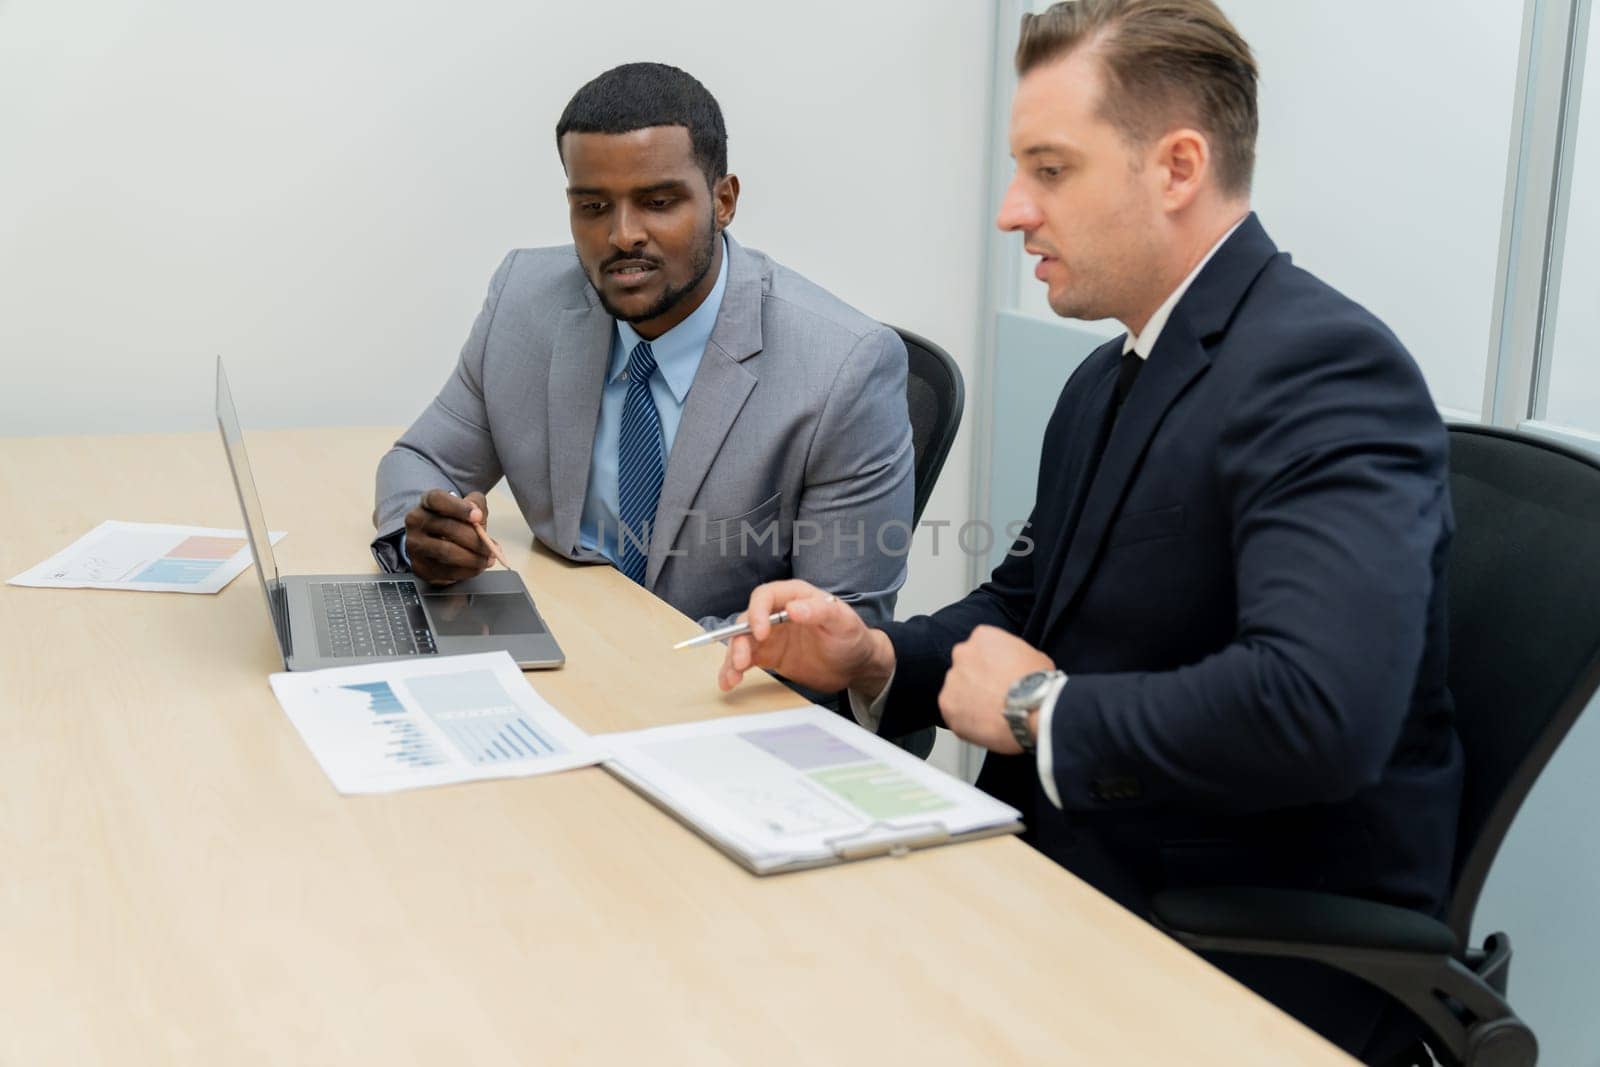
[
  {"x": 1108, "y": 264},
  {"x": 700, "y": 266}
]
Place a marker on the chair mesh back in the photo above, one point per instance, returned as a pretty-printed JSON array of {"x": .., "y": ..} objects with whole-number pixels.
[
  {"x": 934, "y": 399},
  {"x": 923, "y": 404},
  {"x": 1524, "y": 604}
]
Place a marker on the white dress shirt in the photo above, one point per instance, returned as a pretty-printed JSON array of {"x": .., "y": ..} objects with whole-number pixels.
[{"x": 870, "y": 714}]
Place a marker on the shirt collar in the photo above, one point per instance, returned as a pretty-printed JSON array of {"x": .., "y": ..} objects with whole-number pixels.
[
  {"x": 1146, "y": 341},
  {"x": 677, "y": 352}
]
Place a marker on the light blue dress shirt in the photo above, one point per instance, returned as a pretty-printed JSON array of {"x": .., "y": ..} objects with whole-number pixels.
[{"x": 677, "y": 353}]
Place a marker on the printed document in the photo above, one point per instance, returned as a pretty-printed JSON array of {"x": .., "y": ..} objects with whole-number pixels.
[
  {"x": 148, "y": 557},
  {"x": 433, "y": 720}
]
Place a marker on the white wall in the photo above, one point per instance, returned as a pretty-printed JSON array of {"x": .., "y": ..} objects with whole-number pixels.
[
  {"x": 319, "y": 192},
  {"x": 1385, "y": 128}
]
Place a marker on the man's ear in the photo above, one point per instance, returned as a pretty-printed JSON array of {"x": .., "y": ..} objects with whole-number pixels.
[
  {"x": 1184, "y": 158},
  {"x": 725, "y": 200}
]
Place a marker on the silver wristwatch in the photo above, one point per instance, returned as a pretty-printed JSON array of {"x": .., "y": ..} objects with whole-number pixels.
[{"x": 1025, "y": 696}]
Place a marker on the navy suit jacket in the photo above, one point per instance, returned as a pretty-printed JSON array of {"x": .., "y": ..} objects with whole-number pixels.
[{"x": 1242, "y": 575}]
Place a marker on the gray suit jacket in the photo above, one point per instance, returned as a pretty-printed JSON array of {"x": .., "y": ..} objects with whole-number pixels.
[{"x": 793, "y": 458}]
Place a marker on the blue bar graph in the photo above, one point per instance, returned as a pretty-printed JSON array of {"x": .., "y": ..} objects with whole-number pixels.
[
  {"x": 405, "y": 742},
  {"x": 410, "y": 747},
  {"x": 479, "y": 717},
  {"x": 379, "y": 697}
]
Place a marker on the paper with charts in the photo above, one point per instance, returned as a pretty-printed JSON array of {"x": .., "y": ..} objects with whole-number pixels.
[
  {"x": 148, "y": 557},
  {"x": 798, "y": 788},
  {"x": 405, "y": 724}
]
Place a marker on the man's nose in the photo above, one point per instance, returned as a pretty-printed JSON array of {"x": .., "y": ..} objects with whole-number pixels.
[
  {"x": 627, "y": 228},
  {"x": 1017, "y": 210}
]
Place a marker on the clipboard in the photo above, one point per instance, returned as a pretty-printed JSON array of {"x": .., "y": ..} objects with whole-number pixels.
[
  {"x": 874, "y": 840},
  {"x": 849, "y": 847}
]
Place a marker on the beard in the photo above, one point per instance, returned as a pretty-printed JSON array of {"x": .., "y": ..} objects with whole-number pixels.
[{"x": 699, "y": 267}]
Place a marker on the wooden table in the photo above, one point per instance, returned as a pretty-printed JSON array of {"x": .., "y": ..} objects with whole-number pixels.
[{"x": 179, "y": 884}]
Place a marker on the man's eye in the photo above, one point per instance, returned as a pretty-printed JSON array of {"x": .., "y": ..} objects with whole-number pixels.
[
  {"x": 659, "y": 203},
  {"x": 1049, "y": 174},
  {"x": 591, "y": 207}
]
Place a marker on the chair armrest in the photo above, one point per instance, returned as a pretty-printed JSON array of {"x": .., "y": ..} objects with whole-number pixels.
[{"x": 1288, "y": 918}]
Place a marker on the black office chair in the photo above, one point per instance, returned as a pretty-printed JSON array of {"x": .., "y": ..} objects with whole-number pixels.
[
  {"x": 1524, "y": 602},
  {"x": 935, "y": 396}
]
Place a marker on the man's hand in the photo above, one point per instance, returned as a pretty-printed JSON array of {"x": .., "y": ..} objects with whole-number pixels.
[
  {"x": 823, "y": 646},
  {"x": 441, "y": 540},
  {"x": 982, "y": 669}
]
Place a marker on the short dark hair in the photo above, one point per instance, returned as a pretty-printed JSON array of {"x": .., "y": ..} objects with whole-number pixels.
[
  {"x": 1163, "y": 60},
  {"x": 637, "y": 96}
]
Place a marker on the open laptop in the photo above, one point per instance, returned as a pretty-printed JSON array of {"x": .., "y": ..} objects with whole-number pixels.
[{"x": 335, "y": 620}]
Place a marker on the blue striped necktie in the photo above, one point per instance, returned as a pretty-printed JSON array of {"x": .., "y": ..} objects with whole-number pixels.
[{"x": 641, "y": 464}]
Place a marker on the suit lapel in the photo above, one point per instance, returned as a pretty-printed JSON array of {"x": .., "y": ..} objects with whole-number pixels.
[
  {"x": 577, "y": 380},
  {"x": 1175, "y": 362},
  {"x": 1081, "y": 448},
  {"x": 1180, "y": 356},
  {"x": 721, "y": 386}
]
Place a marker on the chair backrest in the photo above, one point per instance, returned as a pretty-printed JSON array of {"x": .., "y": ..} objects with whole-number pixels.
[
  {"x": 935, "y": 396},
  {"x": 1524, "y": 609}
]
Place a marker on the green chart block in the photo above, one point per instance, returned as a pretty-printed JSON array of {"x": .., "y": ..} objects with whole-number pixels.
[{"x": 880, "y": 791}]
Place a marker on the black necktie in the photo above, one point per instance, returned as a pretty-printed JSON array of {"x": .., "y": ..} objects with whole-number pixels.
[{"x": 1131, "y": 366}]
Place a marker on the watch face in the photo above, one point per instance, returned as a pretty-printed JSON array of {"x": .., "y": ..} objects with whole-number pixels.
[{"x": 1029, "y": 688}]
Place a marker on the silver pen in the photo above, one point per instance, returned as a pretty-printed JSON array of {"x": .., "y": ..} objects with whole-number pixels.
[{"x": 722, "y": 633}]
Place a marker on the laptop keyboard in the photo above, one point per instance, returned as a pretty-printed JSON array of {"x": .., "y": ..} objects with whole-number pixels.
[{"x": 372, "y": 619}]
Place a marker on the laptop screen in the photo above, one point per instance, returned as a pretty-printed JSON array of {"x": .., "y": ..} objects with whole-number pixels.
[{"x": 255, "y": 524}]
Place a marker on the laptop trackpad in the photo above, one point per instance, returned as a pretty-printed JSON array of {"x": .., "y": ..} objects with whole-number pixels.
[{"x": 481, "y": 614}]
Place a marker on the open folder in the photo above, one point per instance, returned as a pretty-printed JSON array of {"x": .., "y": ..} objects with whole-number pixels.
[{"x": 788, "y": 790}]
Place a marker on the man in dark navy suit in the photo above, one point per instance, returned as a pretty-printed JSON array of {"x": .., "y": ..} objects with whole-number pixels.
[{"x": 1217, "y": 653}]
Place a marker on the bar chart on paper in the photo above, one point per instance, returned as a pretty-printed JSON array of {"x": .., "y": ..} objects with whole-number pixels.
[
  {"x": 403, "y": 725},
  {"x": 479, "y": 718},
  {"x": 406, "y": 744}
]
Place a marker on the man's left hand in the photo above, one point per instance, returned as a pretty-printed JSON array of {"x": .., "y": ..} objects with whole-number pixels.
[{"x": 982, "y": 669}]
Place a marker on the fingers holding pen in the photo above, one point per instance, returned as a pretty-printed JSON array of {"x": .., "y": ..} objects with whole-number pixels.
[
  {"x": 479, "y": 520},
  {"x": 739, "y": 658},
  {"x": 472, "y": 513}
]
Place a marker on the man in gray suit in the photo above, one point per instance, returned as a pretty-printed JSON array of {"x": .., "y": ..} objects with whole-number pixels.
[{"x": 658, "y": 396}]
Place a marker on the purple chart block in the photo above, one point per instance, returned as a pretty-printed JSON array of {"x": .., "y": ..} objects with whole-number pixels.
[{"x": 804, "y": 747}]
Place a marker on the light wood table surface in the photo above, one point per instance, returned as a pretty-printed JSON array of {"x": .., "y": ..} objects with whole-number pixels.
[{"x": 179, "y": 883}]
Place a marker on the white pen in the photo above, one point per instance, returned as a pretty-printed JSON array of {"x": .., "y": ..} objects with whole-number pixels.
[{"x": 738, "y": 628}]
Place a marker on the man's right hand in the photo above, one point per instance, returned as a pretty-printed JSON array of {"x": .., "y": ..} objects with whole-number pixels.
[
  {"x": 441, "y": 540},
  {"x": 823, "y": 646}
]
